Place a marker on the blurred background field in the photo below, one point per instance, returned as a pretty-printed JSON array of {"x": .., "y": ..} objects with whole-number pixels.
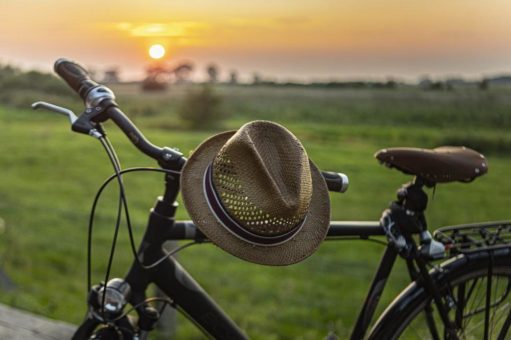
[{"x": 49, "y": 176}]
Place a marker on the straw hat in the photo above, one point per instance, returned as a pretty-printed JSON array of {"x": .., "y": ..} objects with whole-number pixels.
[{"x": 255, "y": 194}]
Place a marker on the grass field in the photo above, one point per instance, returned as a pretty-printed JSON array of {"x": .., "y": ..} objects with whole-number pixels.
[{"x": 50, "y": 175}]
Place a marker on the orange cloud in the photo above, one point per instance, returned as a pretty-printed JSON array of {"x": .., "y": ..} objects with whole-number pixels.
[{"x": 173, "y": 29}]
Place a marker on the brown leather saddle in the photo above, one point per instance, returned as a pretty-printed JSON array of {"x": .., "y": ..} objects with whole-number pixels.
[{"x": 440, "y": 165}]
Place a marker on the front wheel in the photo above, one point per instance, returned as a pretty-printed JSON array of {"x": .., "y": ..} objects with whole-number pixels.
[
  {"x": 91, "y": 329},
  {"x": 475, "y": 289}
]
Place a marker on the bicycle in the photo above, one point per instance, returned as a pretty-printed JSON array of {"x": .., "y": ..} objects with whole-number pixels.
[{"x": 466, "y": 296}]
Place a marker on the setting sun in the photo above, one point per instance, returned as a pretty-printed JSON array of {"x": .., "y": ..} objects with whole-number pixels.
[{"x": 156, "y": 51}]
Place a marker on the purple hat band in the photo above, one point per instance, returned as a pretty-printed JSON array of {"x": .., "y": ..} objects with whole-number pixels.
[{"x": 229, "y": 223}]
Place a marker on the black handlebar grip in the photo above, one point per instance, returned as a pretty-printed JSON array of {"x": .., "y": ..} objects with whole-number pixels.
[
  {"x": 336, "y": 181},
  {"x": 75, "y": 76}
]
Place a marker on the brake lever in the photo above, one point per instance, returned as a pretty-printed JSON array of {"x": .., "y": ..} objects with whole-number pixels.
[
  {"x": 90, "y": 130},
  {"x": 57, "y": 109}
]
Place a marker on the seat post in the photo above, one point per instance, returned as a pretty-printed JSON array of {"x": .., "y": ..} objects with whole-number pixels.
[
  {"x": 412, "y": 196},
  {"x": 406, "y": 216},
  {"x": 414, "y": 201}
]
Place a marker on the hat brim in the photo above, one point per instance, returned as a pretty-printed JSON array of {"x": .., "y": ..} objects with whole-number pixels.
[{"x": 301, "y": 246}]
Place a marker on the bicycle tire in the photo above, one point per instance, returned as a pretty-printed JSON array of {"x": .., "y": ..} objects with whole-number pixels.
[
  {"x": 90, "y": 329},
  {"x": 463, "y": 284}
]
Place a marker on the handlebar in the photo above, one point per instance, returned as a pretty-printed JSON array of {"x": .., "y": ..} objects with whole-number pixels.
[
  {"x": 336, "y": 182},
  {"x": 165, "y": 156},
  {"x": 75, "y": 76},
  {"x": 101, "y": 106}
]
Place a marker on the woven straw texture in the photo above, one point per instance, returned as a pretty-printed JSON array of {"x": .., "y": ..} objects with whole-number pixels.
[
  {"x": 257, "y": 164},
  {"x": 267, "y": 184}
]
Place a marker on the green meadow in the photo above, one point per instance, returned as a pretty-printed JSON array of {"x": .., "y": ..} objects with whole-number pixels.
[{"x": 49, "y": 176}]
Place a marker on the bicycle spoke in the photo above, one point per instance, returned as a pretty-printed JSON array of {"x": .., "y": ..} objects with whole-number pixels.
[
  {"x": 495, "y": 306},
  {"x": 428, "y": 311},
  {"x": 475, "y": 326},
  {"x": 473, "y": 298},
  {"x": 501, "y": 315},
  {"x": 488, "y": 303},
  {"x": 471, "y": 315},
  {"x": 478, "y": 298},
  {"x": 468, "y": 326},
  {"x": 471, "y": 290},
  {"x": 460, "y": 307},
  {"x": 505, "y": 327}
]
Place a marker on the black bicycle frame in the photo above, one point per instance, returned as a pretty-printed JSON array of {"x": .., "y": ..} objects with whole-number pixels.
[
  {"x": 191, "y": 299},
  {"x": 173, "y": 279}
]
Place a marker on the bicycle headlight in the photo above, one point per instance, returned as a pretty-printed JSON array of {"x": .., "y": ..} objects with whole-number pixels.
[{"x": 116, "y": 292}]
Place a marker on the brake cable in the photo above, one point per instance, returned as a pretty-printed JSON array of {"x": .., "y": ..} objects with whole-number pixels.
[{"x": 122, "y": 204}]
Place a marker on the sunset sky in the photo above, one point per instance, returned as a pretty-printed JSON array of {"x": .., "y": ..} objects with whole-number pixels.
[{"x": 288, "y": 39}]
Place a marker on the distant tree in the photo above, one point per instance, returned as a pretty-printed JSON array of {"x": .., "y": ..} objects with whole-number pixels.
[
  {"x": 233, "y": 77},
  {"x": 182, "y": 72},
  {"x": 8, "y": 71},
  {"x": 111, "y": 75},
  {"x": 157, "y": 78},
  {"x": 438, "y": 86},
  {"x": 390, "y": 84},
  {"x": 428, "y": 84},
  {"x": 456, "y": 82},
  {"x": 202, "y": 108},
  {"x": 483, "y": 84},
  {"x": 212, "y": 71},
  {"x": 425, "y": 83},
  {"x": 16, "y": 86},
  {"x": 256, "y": 78}
]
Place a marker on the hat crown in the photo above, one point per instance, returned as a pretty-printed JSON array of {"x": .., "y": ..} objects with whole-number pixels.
[{"x": 263, "y": 179}]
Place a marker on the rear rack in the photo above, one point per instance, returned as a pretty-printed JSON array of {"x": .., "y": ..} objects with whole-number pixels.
[{"x": 467, "y": 237}]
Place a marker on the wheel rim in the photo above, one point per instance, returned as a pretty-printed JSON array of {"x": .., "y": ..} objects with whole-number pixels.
[{"x": 466, "y": 298}]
